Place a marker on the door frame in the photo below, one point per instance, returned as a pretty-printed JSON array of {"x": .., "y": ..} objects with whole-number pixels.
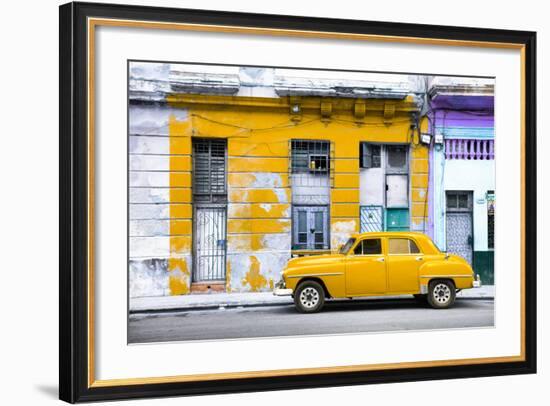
[{"x": 470, "y": 210}]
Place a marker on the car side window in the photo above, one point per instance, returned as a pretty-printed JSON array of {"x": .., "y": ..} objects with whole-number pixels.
[
  {"x": 402, "y": 246},
  {"x": 370, "y": 246}
]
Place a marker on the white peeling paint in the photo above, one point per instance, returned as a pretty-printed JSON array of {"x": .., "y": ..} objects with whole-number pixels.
[
  {"x": 341, "y": 231},
  {"x": 149, "y": 179},
  {"x": 149, "y": 195},
  {"x": 344, "y": 226},
  {"x": 280, "y": 242},
  {"x": 149, "y": 162},
  {"x": 154, "y": 119},
  {"x": 282, "y": 195},
  {"x": 149, "y": 228},
  {"x": 149, "y": 247},
  {"x": 310, "y": 189},
  {"x": 148, "y": 70},
  {"x": 148, "y": 278},
  {"x": 148, "y": 145},
  {"x": 266, "y": 206},
  {"x": 271, "y": 265},
  {"x": 267, "y": 180},
  {"x": 149, "y": 211}
]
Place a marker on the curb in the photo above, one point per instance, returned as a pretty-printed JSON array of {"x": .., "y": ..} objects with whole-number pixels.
[{"x": 267, "y": 304}]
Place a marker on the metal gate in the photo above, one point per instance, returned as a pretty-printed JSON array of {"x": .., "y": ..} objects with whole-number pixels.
[
  {"x": 209, "y": 244},
  {"x": 372, "y": 218},
  {"x": 459, "y": 228}
]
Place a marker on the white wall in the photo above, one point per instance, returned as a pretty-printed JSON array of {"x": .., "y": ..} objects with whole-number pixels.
[
  {"x": 29, "y": 353},
  {"x": 478, "y": 177}
]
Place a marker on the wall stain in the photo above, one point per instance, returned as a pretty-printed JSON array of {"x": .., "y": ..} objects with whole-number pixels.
[
  {"x": 178, "y": 281},
  {"x": 253, "y": 277}
]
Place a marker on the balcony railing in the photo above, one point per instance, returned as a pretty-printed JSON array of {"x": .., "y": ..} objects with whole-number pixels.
[{"x": 469, "y": 149}]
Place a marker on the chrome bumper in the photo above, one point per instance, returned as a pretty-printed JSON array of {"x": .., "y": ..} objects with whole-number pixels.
[
  {"x": 477, "y": 282},
  {"x": 281, "y": 289},
  {"x": 282, "y": 292}
]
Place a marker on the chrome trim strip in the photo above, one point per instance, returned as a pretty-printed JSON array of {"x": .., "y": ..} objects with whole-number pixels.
[
  {"x": 315, "y": 274},
  {"x": 446, "y": 276}
]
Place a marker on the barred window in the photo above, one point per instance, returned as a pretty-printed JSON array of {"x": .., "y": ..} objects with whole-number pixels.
[
  {"x": 209, "y": 170},
  {"x": 310, "y": 156},
  {"x": 459, "y": 200}
]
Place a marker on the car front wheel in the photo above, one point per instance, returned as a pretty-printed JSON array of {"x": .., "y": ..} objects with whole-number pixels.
[
  {"x": 309, "y": 297},
  {"x": 441, "y": 294}
]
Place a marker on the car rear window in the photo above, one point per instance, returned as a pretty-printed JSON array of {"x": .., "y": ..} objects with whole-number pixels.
[{"x": 402, "y": 246}]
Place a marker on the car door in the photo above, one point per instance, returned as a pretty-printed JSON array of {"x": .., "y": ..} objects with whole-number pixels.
[
  {"x": 403, "y": 261},
  {"x": 366, "y": 268}
]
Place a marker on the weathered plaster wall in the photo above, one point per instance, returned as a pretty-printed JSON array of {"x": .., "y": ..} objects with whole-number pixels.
[
  {"x": 259, "y": 190},
  {"x": 477, "y": 176},
  {"x": 471, "y": 174},
  {"x": 159, "y": 201}
]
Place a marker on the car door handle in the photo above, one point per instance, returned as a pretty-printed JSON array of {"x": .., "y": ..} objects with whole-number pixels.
[
  {"x": 419, "y": 258},
  {"x": 380, "y": 260}
]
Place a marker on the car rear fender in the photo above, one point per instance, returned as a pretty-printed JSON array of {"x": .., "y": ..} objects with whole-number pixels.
[{"x": 459, "y": 272}]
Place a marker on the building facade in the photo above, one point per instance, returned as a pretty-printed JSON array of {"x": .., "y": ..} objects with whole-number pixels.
[
  {"x": 233, "y": 172},
  {"x": 462, "y": 170}
]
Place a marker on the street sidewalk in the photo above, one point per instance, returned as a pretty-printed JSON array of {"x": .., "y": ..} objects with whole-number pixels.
[{"x": 205, "y": 301}]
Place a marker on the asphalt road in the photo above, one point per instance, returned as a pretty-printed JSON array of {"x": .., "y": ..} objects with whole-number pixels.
[{"x": 336, "y": 318}]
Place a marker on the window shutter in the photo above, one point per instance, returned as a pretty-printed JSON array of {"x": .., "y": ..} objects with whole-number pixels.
[
  {"x": 366, "y": 155},
  {"x": 209, "y": 162}
]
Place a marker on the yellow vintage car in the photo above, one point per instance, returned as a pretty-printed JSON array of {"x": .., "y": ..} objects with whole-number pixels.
[{"x": 377, "y": 264}]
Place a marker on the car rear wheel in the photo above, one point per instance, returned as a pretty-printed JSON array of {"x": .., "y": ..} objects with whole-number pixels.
[
  {"x": 309, "y": 297},
  {"x": 441, "y": 294}
]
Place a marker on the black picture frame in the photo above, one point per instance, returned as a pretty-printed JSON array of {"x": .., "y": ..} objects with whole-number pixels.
[{"x": 74, "y": 385}]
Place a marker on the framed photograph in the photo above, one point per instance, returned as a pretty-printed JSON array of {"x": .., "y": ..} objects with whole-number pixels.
[{"x": 260, "y": 202}]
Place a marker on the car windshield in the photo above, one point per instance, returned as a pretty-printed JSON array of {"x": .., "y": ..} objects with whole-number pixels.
[{"x": 346, "y": 247}]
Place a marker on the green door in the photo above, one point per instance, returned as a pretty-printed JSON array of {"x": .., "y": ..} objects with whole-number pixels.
[{"x": 397, "y": 219}]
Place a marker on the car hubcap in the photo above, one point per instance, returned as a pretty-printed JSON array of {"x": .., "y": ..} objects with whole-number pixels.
[
  {"x": 309, "y": 298},
  {"x": 442, "y": 293}
]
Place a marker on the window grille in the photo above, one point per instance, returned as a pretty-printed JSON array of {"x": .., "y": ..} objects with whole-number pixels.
[
  {"x": 459, "y": 201},
  {"x": 310, "y": 156}
]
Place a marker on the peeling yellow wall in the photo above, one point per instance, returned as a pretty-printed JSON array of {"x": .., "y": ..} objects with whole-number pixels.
[
  {"x": 181, "y": 211},
  {"x": 258, "y": 132},
  {"x": 419, "y": 184}
]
